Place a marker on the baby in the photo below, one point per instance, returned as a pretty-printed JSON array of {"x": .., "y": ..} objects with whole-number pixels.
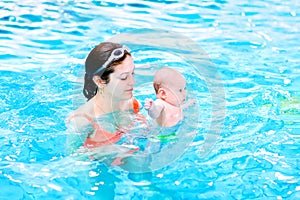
[{"x": 170, "y": 88}]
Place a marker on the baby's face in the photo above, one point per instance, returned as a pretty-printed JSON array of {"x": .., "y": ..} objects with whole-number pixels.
[{"x": 176, "y": 92}]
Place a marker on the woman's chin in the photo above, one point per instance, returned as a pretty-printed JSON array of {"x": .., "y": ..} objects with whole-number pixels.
[{"x": 127, "y": 96}]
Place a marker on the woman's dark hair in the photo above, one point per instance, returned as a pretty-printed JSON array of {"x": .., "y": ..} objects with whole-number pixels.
[{"x": 96, "y": 58}]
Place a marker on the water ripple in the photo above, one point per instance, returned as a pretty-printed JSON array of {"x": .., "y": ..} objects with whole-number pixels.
[{"x": 254, "y": 46}]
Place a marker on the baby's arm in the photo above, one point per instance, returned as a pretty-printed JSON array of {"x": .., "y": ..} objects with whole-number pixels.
[{"x": 154, "y": 107}]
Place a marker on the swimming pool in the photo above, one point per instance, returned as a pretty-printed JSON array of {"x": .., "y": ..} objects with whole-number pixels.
[{"x": 254, "y": 46}]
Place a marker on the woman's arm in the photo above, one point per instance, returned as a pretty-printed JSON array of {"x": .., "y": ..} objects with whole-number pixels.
[{"x": 77, "y": 131}]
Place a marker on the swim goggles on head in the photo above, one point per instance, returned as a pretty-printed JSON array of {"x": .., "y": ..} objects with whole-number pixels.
[{"x": 115, "y": 55}]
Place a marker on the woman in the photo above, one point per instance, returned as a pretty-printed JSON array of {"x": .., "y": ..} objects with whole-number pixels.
[{"x": 108, "y": 86}]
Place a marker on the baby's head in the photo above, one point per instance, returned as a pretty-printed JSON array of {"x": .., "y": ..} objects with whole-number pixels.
[{"x": 170, "y": 86}]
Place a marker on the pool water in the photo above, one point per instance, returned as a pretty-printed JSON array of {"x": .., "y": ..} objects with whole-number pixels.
[{"x": 254, "y": 46}]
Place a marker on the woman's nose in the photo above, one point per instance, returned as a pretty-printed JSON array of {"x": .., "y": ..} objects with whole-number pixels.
[{"x": 132, "y": 80}]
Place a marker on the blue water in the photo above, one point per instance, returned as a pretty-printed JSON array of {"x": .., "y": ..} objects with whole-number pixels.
[{"x": 254, "y": 46}]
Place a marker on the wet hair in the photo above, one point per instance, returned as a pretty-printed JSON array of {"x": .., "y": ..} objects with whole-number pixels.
[{"x": 96, "y": 58}]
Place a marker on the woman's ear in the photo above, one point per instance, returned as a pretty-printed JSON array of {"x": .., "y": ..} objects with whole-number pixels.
[
  {"x": 98, "y": 81},
  {"x": 161, "y": 93}
]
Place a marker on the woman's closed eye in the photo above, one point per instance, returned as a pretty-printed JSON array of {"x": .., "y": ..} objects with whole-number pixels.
[{"x": 124, "y": 76}]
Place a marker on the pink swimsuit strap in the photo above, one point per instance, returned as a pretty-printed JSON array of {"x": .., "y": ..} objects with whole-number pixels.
[{"x": 111, "y": 138}]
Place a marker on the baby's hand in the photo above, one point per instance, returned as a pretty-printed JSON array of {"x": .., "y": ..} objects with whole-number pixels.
[
  {"x": 189, "y": 103},
  {"x": 148, "y": 103}
]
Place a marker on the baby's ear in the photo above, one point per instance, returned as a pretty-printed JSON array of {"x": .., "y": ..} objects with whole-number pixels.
[{"x": 161, "y": 94}]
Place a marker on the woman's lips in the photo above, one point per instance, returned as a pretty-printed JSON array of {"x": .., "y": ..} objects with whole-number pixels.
[{"x": 130, "y": 90}]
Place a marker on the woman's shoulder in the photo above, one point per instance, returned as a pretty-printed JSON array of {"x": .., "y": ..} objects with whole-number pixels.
[{"x": 81, "y": 116}]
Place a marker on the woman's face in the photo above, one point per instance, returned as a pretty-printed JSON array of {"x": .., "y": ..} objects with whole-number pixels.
[{"x": 121, "y": 82}]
